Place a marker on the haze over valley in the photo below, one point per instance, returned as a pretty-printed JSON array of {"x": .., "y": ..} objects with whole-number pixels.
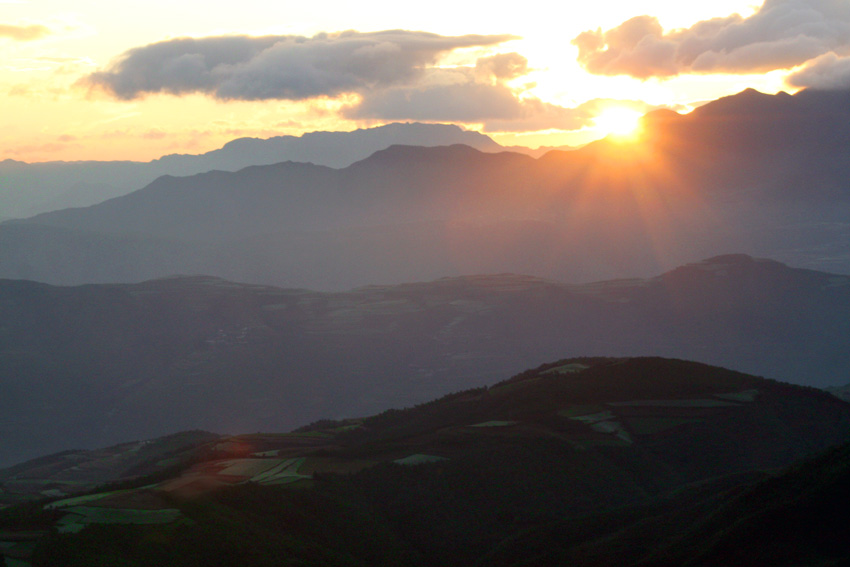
[{"x": 758, "y": 174}]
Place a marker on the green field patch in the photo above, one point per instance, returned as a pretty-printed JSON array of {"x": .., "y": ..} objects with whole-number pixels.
[
  {"x": 286, "y": 480},
  {"x": 248, "y": 467},
  {"x": 696, "y": 403},
  {"x": 743, "y": 396},
  {"x": 572, "y": 368},
  {"x": 614, "y": 428},
  {"x": 580, "y": 410},
  {"x": 495, "y": 423},
  {"x": 344, "y": 428},
  {"x": 335, "y": 465},
  {"x": 274, "y": 453},
  {"x": 78, "y": 517},
  {"x": 14, "y": 499},
  {"x": 512, "y": 386},
  {"x": 591, "y": 418},
  {"x": 76, "y": 501},
  {"x": 19, "y": 553},
  {"x": 313, "y": 434},
  {"x": 419, "y": 459},
  {"x": 36, "y": 481},
  {"x": 652, "y": 425},
  {"x": 286, "y": 471}
]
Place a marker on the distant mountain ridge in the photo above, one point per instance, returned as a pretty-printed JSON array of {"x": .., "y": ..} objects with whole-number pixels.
[
  {"x": 101, "y": 364},
  {"x": 764, "y": 175},
  {"x": 28, "y": 189}
]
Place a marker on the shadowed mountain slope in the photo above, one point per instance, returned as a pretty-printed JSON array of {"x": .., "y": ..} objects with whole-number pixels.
[
  {"x": 587, "y": 448},
  {"x": 757, "y": 174},
  {"x": 27, "y": 189},
  {"x": 100, "y": 364}
]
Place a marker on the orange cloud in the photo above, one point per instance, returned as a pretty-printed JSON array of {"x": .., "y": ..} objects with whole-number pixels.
[
  {"x": 23, "y": 33},
  {"x": 780, "y": 35}
]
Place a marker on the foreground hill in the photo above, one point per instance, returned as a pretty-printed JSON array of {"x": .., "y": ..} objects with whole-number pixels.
[
  {"x": 474, "y": 478},
  {"x": 80, "y": 471},
  {"x": 753, "y": 173},
  {"x": 102, "y": 364},
  {"x": 30, "y": 188}
]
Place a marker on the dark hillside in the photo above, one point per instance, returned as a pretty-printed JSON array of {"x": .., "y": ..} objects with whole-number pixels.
[
  {"x": 577, "y": 452},
  {"x": 96, "y": 365}
]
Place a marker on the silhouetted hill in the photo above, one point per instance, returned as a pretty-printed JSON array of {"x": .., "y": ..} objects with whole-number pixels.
[
  {"x": 27, "y": 189},
  {"x": 795, "y": 518},
  {"x": 757, "y": 174},
  {"x": 100, "y": 364},
  {"x": 541, "y": 469}
]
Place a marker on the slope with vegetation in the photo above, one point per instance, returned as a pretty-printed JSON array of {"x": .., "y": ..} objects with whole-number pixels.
[
  {"x": 101, "y": 364},
  {"x": 575, "y": 460}
]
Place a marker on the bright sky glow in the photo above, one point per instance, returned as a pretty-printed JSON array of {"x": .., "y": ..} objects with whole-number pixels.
[
  {"x": 620, "y": 122},
  {"x": 49, "y": 46}
]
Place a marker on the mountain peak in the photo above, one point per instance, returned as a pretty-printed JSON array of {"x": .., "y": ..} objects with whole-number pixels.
[{"x": 748, "y": 102}]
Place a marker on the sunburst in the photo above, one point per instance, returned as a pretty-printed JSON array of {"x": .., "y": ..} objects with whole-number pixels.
[{"x": 619, "y": 122}]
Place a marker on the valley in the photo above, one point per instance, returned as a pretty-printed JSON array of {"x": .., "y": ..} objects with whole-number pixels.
[{"x": 96, "y": 365}]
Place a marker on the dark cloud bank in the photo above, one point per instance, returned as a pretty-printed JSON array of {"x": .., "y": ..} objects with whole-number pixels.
[
  {"x": 393, "y": 72},
  {"x": 780, "y": 35},
  {"x": 280, "y": 67}
]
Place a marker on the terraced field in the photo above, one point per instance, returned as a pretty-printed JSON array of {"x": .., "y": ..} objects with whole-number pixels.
[{"x": 586, "y": 433}]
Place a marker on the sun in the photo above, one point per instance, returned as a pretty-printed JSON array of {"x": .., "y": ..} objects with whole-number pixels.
[{"x": 618, "y": 122}]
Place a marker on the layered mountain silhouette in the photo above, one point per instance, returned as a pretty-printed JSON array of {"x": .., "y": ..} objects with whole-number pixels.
[
  {"x": 758, "y": 174},
  {"x": 587, "y": 461},
  {"x": 99, "y": 364},
  {"x": 27, "y": 189}
]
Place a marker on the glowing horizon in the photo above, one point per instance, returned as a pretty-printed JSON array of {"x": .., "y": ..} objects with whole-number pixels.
[{"x": 535, "y": 92}]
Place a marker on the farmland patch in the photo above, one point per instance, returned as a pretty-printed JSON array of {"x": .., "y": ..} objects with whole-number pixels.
[
  {"x": 743, "y": 396},
  {"x": 696, "y": 403},
  {"x": 572, "y": 368},
  {"x": 652, "y": 425},
  {"x": 495, "y": 423},
  {"x": 78, "y": 517},
  {"x": 419, "y": 459}
]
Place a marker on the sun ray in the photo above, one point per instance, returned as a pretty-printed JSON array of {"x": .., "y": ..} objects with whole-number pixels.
[{"x": 619, "y": 122}]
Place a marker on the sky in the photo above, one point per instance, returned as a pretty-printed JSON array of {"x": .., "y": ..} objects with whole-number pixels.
[{"x": 132, "y": 80}]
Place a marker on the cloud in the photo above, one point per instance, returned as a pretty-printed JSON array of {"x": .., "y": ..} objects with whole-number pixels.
[
  {"x": 19, "y": 90},
  {"x": 533, "y": 115},
  {"x": 48, "y": 148},
  {"x": 476, "y": 94},
  {"x": 153, "y": 134},
  {"x": 23, "y": 33},
  {"x": 780, "y": 35},
  {"x": 479, "y": 95},
  {"x": 496, "y": 106},
  {"x": 279, "y": 67},
  {"x": 501, "y": 67},
  {"x": 464, "y": 102},
  {"x": 827, "y": 72}
]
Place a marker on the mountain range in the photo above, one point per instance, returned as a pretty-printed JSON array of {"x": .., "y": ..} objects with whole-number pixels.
[
  {"x": 99, "y": 364},
  {"x": 610, "y": 456},
  {"x": 31, "y": 188},
  {"x": 583, "y": 461},
  {"x": 764, "y": 175}
]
